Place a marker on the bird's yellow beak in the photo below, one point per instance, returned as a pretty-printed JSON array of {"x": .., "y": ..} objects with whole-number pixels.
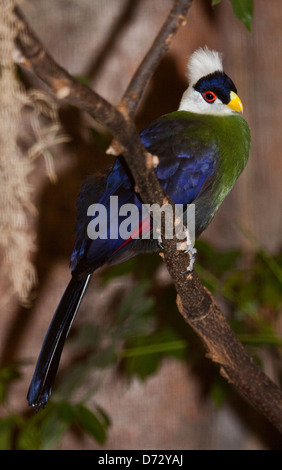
[{"x": 235, "y": 103}]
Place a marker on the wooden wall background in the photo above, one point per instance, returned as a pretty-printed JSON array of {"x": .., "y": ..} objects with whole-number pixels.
[{"x": 106, "y": 40}]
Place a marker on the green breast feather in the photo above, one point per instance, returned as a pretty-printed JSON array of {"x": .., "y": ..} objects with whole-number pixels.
[{"x": 229, "y": 136}]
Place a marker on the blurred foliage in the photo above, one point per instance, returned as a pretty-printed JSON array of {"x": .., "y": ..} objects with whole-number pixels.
[
  {"x": 243, "y": 10},
  {"x": 42, "y": 431},
  {"x": 145, "y": 328}
]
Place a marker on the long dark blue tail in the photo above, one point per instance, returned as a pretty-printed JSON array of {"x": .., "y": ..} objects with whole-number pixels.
[{"x": 49, "y": 358}]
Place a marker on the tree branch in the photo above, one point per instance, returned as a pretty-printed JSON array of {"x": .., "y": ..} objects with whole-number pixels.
[
  {"x": 35, "y": 57},
  {"x": 199, "y": 310},
  {"x": 175, "y": 19},
  {"x": 195, "y": 303}
]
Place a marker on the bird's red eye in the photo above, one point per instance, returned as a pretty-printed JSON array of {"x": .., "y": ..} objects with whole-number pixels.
[{"x": 209, "y": 96}]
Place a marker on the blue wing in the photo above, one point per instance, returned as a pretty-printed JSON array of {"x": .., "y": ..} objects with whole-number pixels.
[
  {"x": 186, "y": 161},
  {"x": 185, "y": 166}
]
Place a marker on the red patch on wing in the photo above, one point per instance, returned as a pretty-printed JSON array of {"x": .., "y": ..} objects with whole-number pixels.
[{"x": 143, "y": 228}]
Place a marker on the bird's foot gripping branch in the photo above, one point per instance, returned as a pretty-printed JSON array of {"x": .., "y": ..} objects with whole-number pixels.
[{"x": 144, "y": 221}]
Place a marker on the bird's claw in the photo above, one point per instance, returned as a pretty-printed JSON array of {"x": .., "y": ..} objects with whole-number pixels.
[
  {"x": 192, "y": 253},
  {"x": 160, "y": 243}
]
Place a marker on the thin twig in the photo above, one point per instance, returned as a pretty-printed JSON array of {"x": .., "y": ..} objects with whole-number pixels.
[{"x": 175, "y": 19}]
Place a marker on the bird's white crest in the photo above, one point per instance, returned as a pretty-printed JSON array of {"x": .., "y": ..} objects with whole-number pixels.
[{"x": 203, "y": 62}]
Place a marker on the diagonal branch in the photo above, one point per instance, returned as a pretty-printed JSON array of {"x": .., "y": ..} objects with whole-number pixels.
[
  {"x": 199, "y": 310},
  {"x": 195, "y": 303},
  {"x": 35, "y": 57},
  {"x": 175, "y": 19}
]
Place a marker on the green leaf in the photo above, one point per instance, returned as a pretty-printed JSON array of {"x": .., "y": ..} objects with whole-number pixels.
[
  {"x": 135, "y": 313},
  {"x": 29, "y": 438},
  {"x": 219, "y": 392},
  {"x": 6, "y": 430},
  {"x": 66, "y": 411},
  {"x": 84, "y": 80},
  {"x": 103, "y": 416},
  {"x": 91, "y": 424},
  {"x": 52, "y": 426},
  {"x": 260, "y": 339},
  {"x": 243, "y": 9},
  {"x": 215, "y": 2},
  {"x": 165, "y": 347},
  {"x": 219, "y": 262},
  {"x": 142, "y": 355},
  {"x": 142, "y": 365},
  {"x": 8, "y": 374}
]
